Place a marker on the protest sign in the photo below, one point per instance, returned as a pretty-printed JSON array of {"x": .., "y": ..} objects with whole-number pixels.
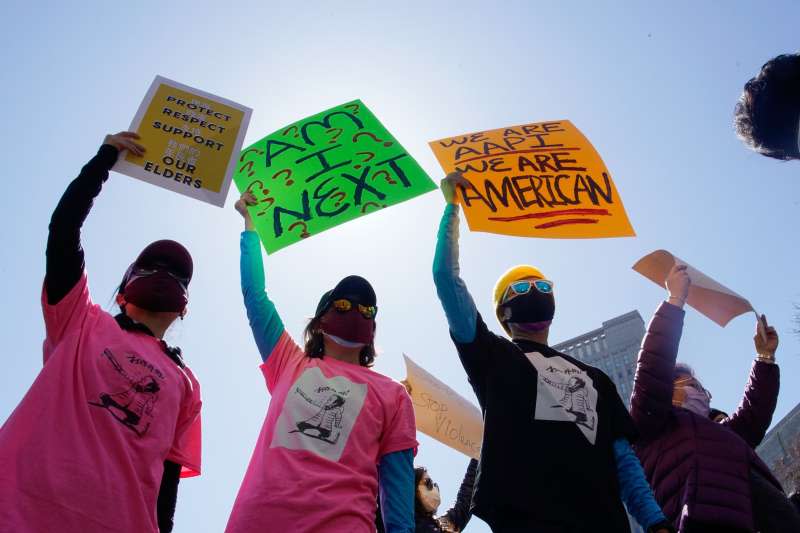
[
  {"x": 192, "y": 140},
  {"x": 542, "y": 179},
  {"x": 324, "y": 170},
  {"x": 442, "y": 413},
  {"x": 709, "y": 297}
]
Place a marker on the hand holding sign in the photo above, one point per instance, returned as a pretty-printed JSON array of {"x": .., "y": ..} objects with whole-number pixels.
[
  {"x": 765, "y": 340},
  {"x": 450, "y": 183},
  {"x": 124, "y": 140},
  {"x": 534, "y": 180}
]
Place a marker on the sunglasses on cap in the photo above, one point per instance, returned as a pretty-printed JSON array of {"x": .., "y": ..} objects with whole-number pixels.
[
  {"x": 524, "y": 287},
  {"x": 343, "y": 305},
  {"x": 139, "y": 272}
]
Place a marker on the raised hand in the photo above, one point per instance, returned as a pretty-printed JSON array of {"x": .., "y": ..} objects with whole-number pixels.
[
  {"x": 124, "y": 140},
  {"x": 765, "y": 339},
  {"x": 678, "y": 283},
  {"x": 247, "y": 199},
  {"x": 449, "y": 183}
]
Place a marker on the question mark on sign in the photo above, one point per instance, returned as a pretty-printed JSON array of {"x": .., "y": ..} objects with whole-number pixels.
[
  {"x": 288, "y": 172},
  {"x": 369, "y": 156},
  {"x": 366, "y": 205},
  {"x": 256, "y": 150},
  {"x": 290, "y": 128},
  {"x": 374, "y": 137},
  {"x": 354, "y": 107},
  {"x": 248, "y": 166},
  {"x": 341, "y": 195},
  {"x": 388, "y": 178},
  {"x": 336, "y": 136},
  {"x": 268, "y": 200},
  {"x": 304, "y": 232}
]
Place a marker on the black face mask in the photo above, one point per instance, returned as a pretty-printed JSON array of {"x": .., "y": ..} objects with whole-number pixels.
[{"x": 533, "y": 306}]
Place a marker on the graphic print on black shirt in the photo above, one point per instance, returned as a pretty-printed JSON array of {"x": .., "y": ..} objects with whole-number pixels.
[
  {"x": 132, "y": 404},
  {"x": 565, "y": 393}
]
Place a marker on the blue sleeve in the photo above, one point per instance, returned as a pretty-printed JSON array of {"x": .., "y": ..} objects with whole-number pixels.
[
  {"x": 457, "y": 302},
  {"x": 634, "y": 489},
  {"x": 264, "y": 320},
  {"x": 396, "y": 479}
]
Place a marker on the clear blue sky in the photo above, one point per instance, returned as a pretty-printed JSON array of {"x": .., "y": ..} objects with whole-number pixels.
[{"x": 652, "y": 85}]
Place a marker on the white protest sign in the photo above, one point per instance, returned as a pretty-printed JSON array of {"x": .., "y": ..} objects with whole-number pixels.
[
  {"x": 442, "y": 413},
  {"x": 708, "y": 296}
]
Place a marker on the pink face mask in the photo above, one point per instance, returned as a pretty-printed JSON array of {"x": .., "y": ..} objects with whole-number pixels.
[{"x": 697, "y": 402}]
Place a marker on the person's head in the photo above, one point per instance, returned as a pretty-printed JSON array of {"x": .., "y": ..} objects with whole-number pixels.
[
  {"x": 767, "y": 116},
  {"x": 426, "y": 494},
  {"x": 345, "y": 315},
  {"x": 717, "y": 416},
  {"x": 334, "y": 401},
  {"x": 523, "y": 300},
  {"x": 688, "y": 392},
  {"x": 156, "y": 284}
]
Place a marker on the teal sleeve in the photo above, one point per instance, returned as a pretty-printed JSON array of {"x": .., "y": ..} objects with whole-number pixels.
[
  {"x": 459, "y": 308},
  {"x": 264, "y": 320},
  {"x": 396, "y": 482},
  {"x": 634, "y": 489}
]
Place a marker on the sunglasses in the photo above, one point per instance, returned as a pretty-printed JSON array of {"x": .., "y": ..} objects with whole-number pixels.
[
  {"x": 693, "y": 383},
  {"x": 524, "y": 287},
  {"x": 429, "y": 484},
  {"x": 144, "y": 272},
  {"x": 343, "y": 305}
]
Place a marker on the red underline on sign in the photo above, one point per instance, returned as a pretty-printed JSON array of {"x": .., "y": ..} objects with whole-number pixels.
[
  {"x": 550, "y": 214},
  {"x": 532, "y": 150},
  {"x": 556, "y": 223}
]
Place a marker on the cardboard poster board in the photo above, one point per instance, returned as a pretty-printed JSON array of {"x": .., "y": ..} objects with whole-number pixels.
[
  {"x": 541, "y": 179},
  {"x": 192, "y": 138}
]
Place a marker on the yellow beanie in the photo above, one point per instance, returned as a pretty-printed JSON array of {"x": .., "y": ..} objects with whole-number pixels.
[{"x": 513, "y": 274}]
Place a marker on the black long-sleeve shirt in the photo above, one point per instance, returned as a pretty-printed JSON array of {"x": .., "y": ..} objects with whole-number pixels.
[{"x": 65, "y": 265}]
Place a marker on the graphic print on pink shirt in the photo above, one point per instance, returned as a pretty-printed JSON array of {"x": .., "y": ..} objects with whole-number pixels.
[
  {"x": 319, "y": 414},
  {"x": 132, "y": 404}
]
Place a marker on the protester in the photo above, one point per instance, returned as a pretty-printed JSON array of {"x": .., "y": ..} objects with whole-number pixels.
[
  {"x": 767, "y": 116},
  {"x": 556, "y": 455},
  {"x": 113, "y": 418},
  {"x": 336, "y": 432},
  {"x": 427, "y": 500},
  {"x": 706, "y": 474}
]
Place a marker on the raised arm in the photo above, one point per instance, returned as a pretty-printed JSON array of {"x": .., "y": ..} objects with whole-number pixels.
[
  {"x": 459, "y": 514},
  {"x": 651, "y": 400},
  {"x": 264, "y": 319},
  {"x": 457, "y": 302},
  {"x": 65, "y": 260},
  {"x": 754, "y": 414}
]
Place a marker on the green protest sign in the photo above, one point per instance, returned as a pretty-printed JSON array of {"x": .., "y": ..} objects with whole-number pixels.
[{"x": 325, "y": 170}]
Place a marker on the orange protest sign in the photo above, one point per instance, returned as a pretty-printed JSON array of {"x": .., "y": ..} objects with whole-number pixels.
[{"x": 542, "y": 179}]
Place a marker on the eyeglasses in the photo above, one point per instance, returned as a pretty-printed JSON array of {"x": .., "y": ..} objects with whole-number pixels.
[
  {"x": 524, "y": 287},
  {"x": 144, "y": 272},
  {"x": 429, "y": 484},
  {"x": 343, "y": 305},
  {"x": 693, "y": 383}
]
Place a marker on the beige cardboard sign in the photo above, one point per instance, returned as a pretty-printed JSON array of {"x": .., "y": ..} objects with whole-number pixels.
[
  {"x": 442, "y": 413},
  {"x": 708, "y": 296}
]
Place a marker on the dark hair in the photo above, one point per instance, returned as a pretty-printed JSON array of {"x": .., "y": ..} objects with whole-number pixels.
[
  {"x": 768, "y": 112},
  {"x": 315, "y": 345},
  {"x": 419, "y": 510}
]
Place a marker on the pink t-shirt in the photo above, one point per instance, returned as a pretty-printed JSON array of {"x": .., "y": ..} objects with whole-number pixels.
[
  {"x": 84, "y": 450},
  {"x": 315, "y": 465}
]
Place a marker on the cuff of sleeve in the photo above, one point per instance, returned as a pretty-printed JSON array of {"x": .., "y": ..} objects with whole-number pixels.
[
  {"x": 107, "y": 155},
  {"x": 249, "y": 238},
  {"x": 451, "y": 209},
  {"x": 671, "y": 310}
]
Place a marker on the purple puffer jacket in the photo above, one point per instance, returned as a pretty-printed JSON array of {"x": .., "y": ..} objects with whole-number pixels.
[{"x": 699, "y": 469}]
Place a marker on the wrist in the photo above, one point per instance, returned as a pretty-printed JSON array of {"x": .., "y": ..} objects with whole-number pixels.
[
  {"x": 677, "y": 301},
  {"x": 766, "y": 357}
]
